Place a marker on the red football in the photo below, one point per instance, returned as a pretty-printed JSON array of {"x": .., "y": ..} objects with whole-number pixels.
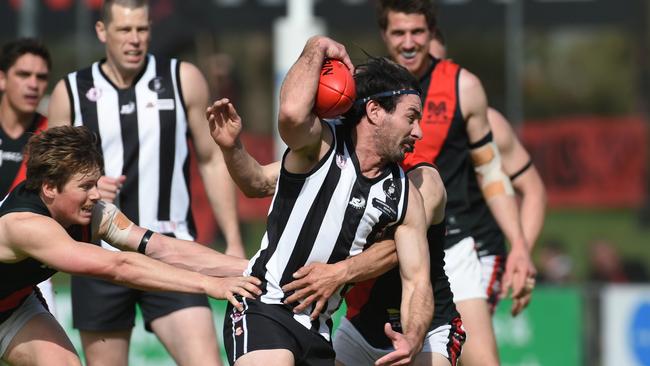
[{"x": 336, "y": 90}]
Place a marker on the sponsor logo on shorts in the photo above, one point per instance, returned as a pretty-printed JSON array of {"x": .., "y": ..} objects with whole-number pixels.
[
  {"x": 236, "y": 316},
  {"x": 239, "y": 331}
]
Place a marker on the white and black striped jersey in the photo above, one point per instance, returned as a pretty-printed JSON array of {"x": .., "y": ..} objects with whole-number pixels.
[
  {"x": 143, "y": 133},
  {"x": 326, "y": 215}
]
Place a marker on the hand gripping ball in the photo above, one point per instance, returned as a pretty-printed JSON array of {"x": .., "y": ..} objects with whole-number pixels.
[{"x": 336, "y": 91}]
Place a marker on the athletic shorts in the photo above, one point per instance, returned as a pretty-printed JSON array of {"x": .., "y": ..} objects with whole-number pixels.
[
  {"x": 353, "y": 350},
  {"x": 102, "y": 306},
  {"x": 463, "y": 269},
  {"x": 492, "y": 269},
  {"x": 31, "y": 307},
  {"x": 265, "y": 326}
]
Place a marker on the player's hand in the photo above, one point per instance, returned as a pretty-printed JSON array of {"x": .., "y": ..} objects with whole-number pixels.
[
  {"x": 315, "y": 282},
  {"x": 331, "y": 49},
  {"x": 228, "y": 287},
  {"x": 519, "y": 269},
  {"x": 521, "y": 302},
  {"x": 225, "y": 124},
  {"x": 109, "y": 187},
  {"x": 405, "y": 349}
]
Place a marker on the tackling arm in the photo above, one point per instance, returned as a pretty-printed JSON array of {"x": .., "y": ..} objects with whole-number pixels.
[{"x": 218, "y": 184}]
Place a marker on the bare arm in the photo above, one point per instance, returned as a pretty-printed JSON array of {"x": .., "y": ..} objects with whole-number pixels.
[
  {"x": 416, "y": 308},
  {"x": 218, "y": 184},
  {"x": 252, "y": 178},
  {"x": 111, "y": 225},
  {"x": 42, "y": 238},
  {"x": 528, "y": 184},
  {"x": 59, "y": 113},
  {"x": 502, "y": 205},
  {"x": 299, "y": 127}
]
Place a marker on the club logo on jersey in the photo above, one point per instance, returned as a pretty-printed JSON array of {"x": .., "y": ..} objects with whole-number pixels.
[
  {"x": 340, "y": 161},
  {"x": 156, "y": 85},
  {"x": 390, "y": 189},
  {"x": 358, "y": 202},
  {"x": 93, "y": 94},
  {"x": 128, "y": 108}
]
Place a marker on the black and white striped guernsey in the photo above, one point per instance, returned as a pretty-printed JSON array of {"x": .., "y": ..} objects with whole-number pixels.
[
  {"x": 326, "y": 215},
  {"x": 143, "y": 133}
]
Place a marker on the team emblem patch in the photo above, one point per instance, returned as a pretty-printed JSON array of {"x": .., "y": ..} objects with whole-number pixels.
[
  {"x": 236, "y": 316},
  {"x": 156, "y": 85},
  {"x": 340, "y": 161},
  {"x": 390, "y": 189},
  {"x": 93, "y": 94}
]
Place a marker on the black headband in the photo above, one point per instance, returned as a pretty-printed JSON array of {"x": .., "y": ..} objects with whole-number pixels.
[{"x": 387, "y": 94}]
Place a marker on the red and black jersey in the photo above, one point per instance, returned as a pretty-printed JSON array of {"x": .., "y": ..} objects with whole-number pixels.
[
  {"x": 445, "y": 144},
  {"x": 375, "y": 302},
  {"x": 19, "y": 279},
  {"x": 12, "y": 162}
]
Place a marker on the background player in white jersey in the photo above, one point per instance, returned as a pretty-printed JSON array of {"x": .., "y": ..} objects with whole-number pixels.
[
  {"x": 528, "y": 185},
  {"x": 339, "y": 190},
  {"x": 24, "y": 70},
  {"x": 143, "y": 108},
  {"x": 45, "y": 225}
]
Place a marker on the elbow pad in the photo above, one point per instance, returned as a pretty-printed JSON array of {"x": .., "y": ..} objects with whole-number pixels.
[
  {"x": 487, "y": 165},
  {"x": 110, "y": 224}
]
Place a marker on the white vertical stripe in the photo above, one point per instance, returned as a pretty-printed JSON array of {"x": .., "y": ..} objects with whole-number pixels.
[
  {"x": 108, "y": 122},
  {"x": 72, "y": 80},
  {"x": 180, "y": 197},
  {"x": 287, "y": 242},
  {"x": 149, "y": 157}
]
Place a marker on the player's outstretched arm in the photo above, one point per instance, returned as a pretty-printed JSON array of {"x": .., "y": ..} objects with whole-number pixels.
[
  {"x": 495, "y": 184},
  {"x": 111, "y": 225},
  {"x": 417, "y": 295},
  {"x": 316, "y": 282},
  {"x": 252, "y": 178},
  {"x": 218, "y": 185},
  {"x": 42, "y": 238}
]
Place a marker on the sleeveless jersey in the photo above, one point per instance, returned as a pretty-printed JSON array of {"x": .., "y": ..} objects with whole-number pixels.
[
  {"x": 12, "y": 164},
  {"x": 375, "y": 302},
  {"x": 143, "y": 134},
  {"x": 446, "y": 145},
  {"x": 326, "y": 215},
  {"x": 19, "y": 279}
]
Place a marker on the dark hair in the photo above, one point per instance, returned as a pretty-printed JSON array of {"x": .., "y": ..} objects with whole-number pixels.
[
  {"x": 13, "y": 50},
  {"x": 56, "y": 154},
  {"x": 106, "y": 16},
  {"x": 424, "y": 7},
  {"x": 379, "y": 75}
]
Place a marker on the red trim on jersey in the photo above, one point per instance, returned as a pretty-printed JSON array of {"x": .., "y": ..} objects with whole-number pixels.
[
  {"x": 439, "y": 109},
  {"x": 13, "y": 300},
  {"x": 357, "y": 297},
  {"x": 21, "y": 175}
]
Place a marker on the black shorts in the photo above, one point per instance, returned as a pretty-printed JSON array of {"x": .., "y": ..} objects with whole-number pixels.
[
  {"x": 103, "y": 306},
  {"x": 262, "y": 326}
]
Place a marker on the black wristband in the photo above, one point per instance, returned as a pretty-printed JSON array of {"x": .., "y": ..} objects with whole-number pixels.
[{"x": 144, "y": 241}]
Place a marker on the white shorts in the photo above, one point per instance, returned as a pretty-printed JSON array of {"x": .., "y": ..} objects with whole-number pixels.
[
  {"x": 463, "y": 268},
  {"x": 10, "y": 327},
  {"x": 492, "y": 269},
  {"x": 353, "y": 350}
]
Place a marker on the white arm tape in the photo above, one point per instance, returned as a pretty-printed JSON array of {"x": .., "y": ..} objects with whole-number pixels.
[
  {"x": 110, "y": 224},
  {"x": 487, "y": 165}
]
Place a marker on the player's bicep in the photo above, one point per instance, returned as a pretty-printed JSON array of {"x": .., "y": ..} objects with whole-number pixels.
[
  {"x": 46, "y": 241},
  {"x": 473, "y": 104},
  {"x": 59, "y": 113}
]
